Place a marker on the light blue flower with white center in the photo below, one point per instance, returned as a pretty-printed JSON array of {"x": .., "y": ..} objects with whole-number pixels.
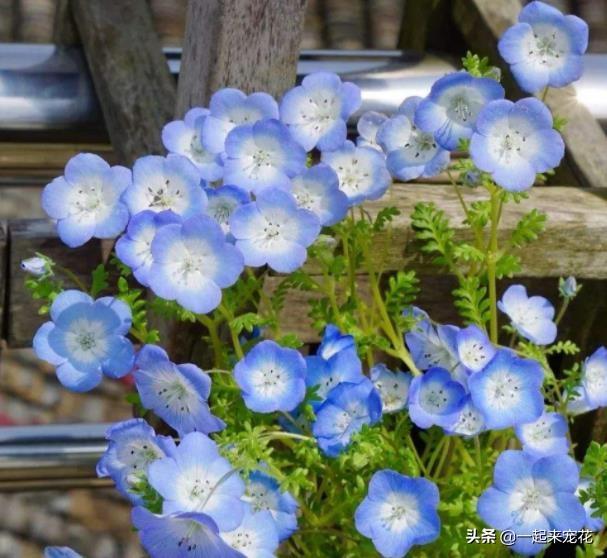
[
  {"x": 263, "y": 494},
  {"x": 334, "y": 341},
  {"x": 87, "y": 200},
  {"x": 594, "y": 378},
  {"x": 192, "y": 262},
  {"x": 393, "y": 387},
  {"x": 361, "y": 171},
  {"x": 184, "y": 137},
  {"x": 578, "y": 403},
  {"x": 530, "y": 495},
  {"x": 273, "y": 230},
  {"x": 515, "y": 141},
  {"x": 474, "y": 348},
  {"x": 255, "y": 537},
  {"x": 60, "y": 552},
  {"x": 170, "y": 183},
  {"x": 348, "y": 408},
  {"x": 593, "y": 522},
  {"x": 398, "y": 512},
  {"x": 262, "y": 155},
  {"x": 195, "y": 478},
  {"x": 177, "y": 393},
  {"x": 317, "y": 190},
  {"x": 435, "y": 398},
  {"x": 545, "y": 436},
  {"x": 180, "y": 535},
  {"x": 532, "y": 317},
  {"x": 367, "y": 126},
  {"x": 134, "y": 248},
  {"x": 508, "y": 391},
  {"x": 230, "y": 108},
  {"x": 272, "y": 378},
  {"x": 36, "y": 266},
  {"x": 317, "y": 110},
  {"x": 449, "y": 112},
  {"x": 222, "y": 203},
  {"x": 411, "y": 153},
  {"x": 85, "y": 339},
  {"x": 545, "y": 48},
  {"x": 133, "y": 445},
  {"x": 467, "y": 422}
]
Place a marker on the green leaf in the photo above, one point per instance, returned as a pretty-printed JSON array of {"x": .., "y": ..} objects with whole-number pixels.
[
  {"x": 290, "y": 340},
  {"x": 433, "y": 231},
  {"x": 507, "y": 265},
  {"x": 401, "y": 292},
  {"x": 472, "y": 302},
  {"x": 530, "y": 226},
  {"x": 385, "y": 216},
  {"x": 246, "y": 322},
  {"x": 480, "y": 67},
  {"x": 99, "y": 280}
]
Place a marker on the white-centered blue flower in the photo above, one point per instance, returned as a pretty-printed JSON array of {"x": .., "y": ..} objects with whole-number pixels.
[
  {"x": 361, "y": 171},
  {"x": 87, "y": 200},
  {"x": 594, "y": 378},
  {"x": 435, "y": 398},
  {"x": 255, "y": 537},
  {"x": 545, "y": 436},
  {"x": 347, "y": 409},
  {"x": 449, "y": 112},
  {"x": 508, "y": 391},
  {"x": 85, "y": 339},
  {"x": 530, "y": 495},
  {"x": 36, "y": 266},
  {"x": 317, "y": 110},
  {"x": 474, "y": 348},
  {"x": 272, "y": 378},
  {"x": 532, "y": 317},
  {"x": 545, "y": 48},
  {"x": 192, "y": 262},
  {"x": 166, "y": 183},
  {"x": 515, "y": 141},
  {"x": 177, "y": 393},
  {"x": 273, "y": 230},
  {"x": 229, "y": 108},
  {"x": 367, "y": 127},
  {"x": 469, "y": 421},
  {"x": 133, "y": 445},
  {"x": 60, "y": 552},
  {"x": 195, "y": 478},
  {"x": 398, "y": 512},
  {"x": 263, "y": 494},
  {"x": 134, "y": 248},
  {"x": 184, "y": 137},
  {"x": 317, "y": 190},
  {"x": 334, "y": 341},
  {"x": 593, "y": 521},
  {"x": 411, "y": 153},
  {"x": 262, "y": 155},
  {"x": 222, "y": 203},
  {"x": 180, "y": 535},
  {"x": 393, "y": 387}
]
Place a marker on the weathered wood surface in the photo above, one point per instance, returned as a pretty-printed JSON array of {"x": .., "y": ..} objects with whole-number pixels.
[
  {"x": 131, "y": 77},
  {"x": 3, "y": 266},
  {"x": 252, "y": 45}
]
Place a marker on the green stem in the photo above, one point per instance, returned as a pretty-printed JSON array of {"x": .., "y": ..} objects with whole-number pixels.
[
  {"x": 416, "y": 455},
  {"x": 72, "y": 277},
  {"x": 211, "y": 326},
  {"x": 479, "y": 455},
  {"x": 562, "y": 311},
  {"x": 233, "y": 335},
  {"x": 491, "y": 264}
]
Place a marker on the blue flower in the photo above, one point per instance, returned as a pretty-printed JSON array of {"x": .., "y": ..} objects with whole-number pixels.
[
  {"x": 273, "y": 230},
  {"x": 263, "y": 494},
  {"x": 568, "y": 288},
  {"x": 255, "y": 537},
  {"x": 166, "y": 183},
  {"x": 474, "y": 348},
  {"x": 449, "y": 112},
  {"x": 222, "y": 203},
  {"x": 134, "y": 248},
  {"x": 398, "y": 513},
  {"x": 317, "y": 110},
  {"x": 515, "y": 141},
  {"x": 133, "y": 445},
  {"x": 180, "y": 535},
  {"x": 393, "y": 387},
  {"x": 230, "y": 108},
  {"x": 272, "y": 378},
  {"x": 348, "y": 408},
  {"x": 508, "y": 391},
  {"x": 334, "y": 341},
  {"x": 367, "y": 126},
  {"x": 593, "y": 522},
  {"x": 532, "y": 317},
  {"x": 177, "y": 393},
  {"x": 594, "y": 378},
  {"x": 192, "y": 262},
  {"x": 467, "y": 422},
  {"x": 545, "y": 48},
  {"x": 195, "y": 478},
  {"x": 435, "y": 398},
  {"x": 60, "y": 552},
  {"x": 361, "y": 171},
  {"x": 86, "y": 339},
  {"x": 87, "y": 201},
  {"x": 545, "y": 436},
  {"x": 184, "y": 137},
  {"x": 262, "y": 155},
  {"x": 36, "y": 266},
  {"x": 411, "y": 153},
  {"x": 529, "y": 495},
  {"x": 317, "y": 190},
  {"x": 578, "y": 402}
]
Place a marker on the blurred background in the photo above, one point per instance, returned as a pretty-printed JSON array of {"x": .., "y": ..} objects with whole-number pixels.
[{"x": 96, "y": 521}]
